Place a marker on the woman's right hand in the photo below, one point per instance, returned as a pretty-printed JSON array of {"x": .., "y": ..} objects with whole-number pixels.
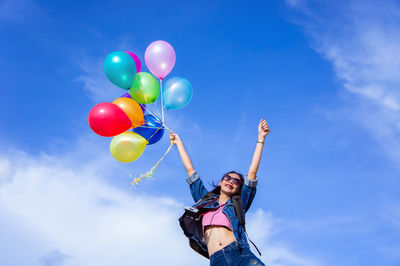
[{"x": 174, "y": 138}]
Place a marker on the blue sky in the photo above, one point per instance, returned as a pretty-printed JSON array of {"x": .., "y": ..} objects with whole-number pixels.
[{"x": 325, "y": 75}]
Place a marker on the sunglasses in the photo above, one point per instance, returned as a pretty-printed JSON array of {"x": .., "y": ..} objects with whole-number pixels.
[{"x": 235, "y": 181}]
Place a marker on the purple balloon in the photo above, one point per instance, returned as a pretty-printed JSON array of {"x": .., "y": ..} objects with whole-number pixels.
[
  {"x": 137, "y": 61},
  {"x": 141, "y": 105},
  {"x": 160, "y": 58}
]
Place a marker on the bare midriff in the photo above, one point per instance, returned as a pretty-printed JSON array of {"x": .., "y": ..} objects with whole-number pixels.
[{"x": 217, "y": 237}]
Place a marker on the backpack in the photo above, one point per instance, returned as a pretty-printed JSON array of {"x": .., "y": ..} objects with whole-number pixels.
[{"x": 237, "y": 204}]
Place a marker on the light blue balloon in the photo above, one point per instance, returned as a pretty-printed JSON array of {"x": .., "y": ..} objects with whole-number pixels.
[
  {"x": 120, "y": 69},
  {"x": 177, "y": 93}
]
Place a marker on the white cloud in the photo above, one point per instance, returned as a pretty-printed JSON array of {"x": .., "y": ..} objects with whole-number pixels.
[
  {"x": 5, "y": 170},
  {"x": 94, "y": 80},
  {"x": 263, "y": 228},
  {"x": 294, "y": 3},
  {"x": 362, "y": 41},
  {"x": 54, "y": 258},
  {"x": 86, "y": 221},
  {"x": 17, "y": 10},
  {"x": 391, "y": 214},
  {"x": 96, "y": 83}
]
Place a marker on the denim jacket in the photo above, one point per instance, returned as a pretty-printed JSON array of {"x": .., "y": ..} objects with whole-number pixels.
[{"x": 198, "y": 190}]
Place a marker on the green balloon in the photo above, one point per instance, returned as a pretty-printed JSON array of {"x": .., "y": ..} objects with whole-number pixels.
[
  {"x": 120, "y": 69},
  {"x": 145, "y": 88}
]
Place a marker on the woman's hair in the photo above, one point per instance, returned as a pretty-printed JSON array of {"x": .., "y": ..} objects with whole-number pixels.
[{"x": 217, "y": 189}]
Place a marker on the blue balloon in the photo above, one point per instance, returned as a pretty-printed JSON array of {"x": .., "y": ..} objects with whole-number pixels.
[
  {"x": 120, "y": 69},
  {"x": 152, "y": 130},
  {"x": 177, "y": 93}
]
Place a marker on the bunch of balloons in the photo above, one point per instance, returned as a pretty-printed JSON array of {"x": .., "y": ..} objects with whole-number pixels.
[{"x": 127, "y": 119}]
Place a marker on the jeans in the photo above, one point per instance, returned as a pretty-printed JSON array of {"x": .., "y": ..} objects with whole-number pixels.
[{"x": 231, "y": 255}]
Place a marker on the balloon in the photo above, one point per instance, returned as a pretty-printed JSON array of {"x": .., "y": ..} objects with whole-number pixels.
[
  {"x": 177, "y": 93},
  {"x": 152, "y": 130},
  {"x": 160, "y": 58},
  {"x": 107, "y": 120},
  {"x": 137, "y": 61},
  {"x": 127, "y": 146},
  {"x": 120, "y": 69},
  {"x": 145, "y": 89},
  {"x": 141, "y": 105},
  {"x": 132, "y": 110}
]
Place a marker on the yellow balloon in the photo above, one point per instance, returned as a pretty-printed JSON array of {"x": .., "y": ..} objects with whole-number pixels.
[
  {"x": 132, "y": 110},
  {"x": 127, "y": 146}
]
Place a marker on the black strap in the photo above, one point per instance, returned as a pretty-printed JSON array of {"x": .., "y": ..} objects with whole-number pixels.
[
  {"x": 208, "y": 196},
  {"x": 251, "y": 241},
  {"x": 237, "y": 203}
]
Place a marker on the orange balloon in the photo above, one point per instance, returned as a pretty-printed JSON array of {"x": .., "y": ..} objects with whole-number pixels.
[{"x": 132, "y": 110}]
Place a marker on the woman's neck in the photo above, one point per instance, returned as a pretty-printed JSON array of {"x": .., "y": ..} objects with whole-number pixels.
[{"x": 223, "y": 198}]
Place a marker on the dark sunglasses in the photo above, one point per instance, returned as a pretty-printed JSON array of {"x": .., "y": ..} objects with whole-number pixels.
[{"x": 235, "y": 181}]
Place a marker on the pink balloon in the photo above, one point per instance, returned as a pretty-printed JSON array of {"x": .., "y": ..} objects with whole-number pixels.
[
  {"x": 137, "y": 61},
  {"x": 160, "y": 58}
]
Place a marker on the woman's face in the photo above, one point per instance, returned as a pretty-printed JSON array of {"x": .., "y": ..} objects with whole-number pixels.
[{"x": 230, "y": 187}]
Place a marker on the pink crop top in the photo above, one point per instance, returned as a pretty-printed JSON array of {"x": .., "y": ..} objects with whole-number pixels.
[{"x": 216, "y": 217}]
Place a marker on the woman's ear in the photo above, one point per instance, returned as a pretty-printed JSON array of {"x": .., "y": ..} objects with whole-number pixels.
[{"x": 220, "y": 183}]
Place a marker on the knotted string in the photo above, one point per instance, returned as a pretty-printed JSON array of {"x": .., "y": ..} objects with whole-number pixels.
[{"x": 151, "y": 172}]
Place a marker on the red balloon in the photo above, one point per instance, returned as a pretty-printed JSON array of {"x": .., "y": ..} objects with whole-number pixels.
[{"x": 108, "y": 120}]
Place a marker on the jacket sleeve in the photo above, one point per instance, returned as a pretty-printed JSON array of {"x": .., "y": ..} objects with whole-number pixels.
[
  {"x": 248, "y": 193},
  {"x": 196, "y": 186}
]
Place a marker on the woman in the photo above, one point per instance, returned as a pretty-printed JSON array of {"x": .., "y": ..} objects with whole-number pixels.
[{"x": 213, "y": 224}]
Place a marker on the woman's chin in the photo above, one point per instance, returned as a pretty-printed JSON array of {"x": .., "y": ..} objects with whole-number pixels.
[{"x": 228, "y": 192}]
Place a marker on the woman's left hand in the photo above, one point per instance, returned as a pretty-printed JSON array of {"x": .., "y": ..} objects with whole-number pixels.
[{"x": 263, "y": 129}]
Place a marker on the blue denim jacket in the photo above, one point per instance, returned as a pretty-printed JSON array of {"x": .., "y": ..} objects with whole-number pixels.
[{"x": 198, "y": 190}]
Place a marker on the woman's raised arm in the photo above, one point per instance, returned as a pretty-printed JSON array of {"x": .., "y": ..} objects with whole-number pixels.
[
  {"x": 263, "y": 131},
  {"x": 175, "y": 139}
]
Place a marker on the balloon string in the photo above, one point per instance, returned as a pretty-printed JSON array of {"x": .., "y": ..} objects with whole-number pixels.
[
  {"x": 156, "y": 115},
  {"x": 162, "y": 104},
  {"x": 150, "y": 173},
  {"x": 164, "y": 125},
  {"x": 145, "y": 127},
  {"x": 159, "y": 128},
  {"x": 154, "y": 132},
  {"x": 147, "y": 109},
  {"x": 155, "y": 112}
]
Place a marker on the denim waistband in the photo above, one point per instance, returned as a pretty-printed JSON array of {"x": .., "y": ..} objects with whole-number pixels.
[{"x": 235, "y": 245}]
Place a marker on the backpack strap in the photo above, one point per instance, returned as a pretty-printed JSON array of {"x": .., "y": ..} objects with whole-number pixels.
[
  {"x": 208, "y": 196},
  {"x": 237, "y": 204}
]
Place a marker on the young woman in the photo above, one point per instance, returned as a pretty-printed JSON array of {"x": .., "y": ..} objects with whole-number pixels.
[{"x": 212, "y": 224}]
